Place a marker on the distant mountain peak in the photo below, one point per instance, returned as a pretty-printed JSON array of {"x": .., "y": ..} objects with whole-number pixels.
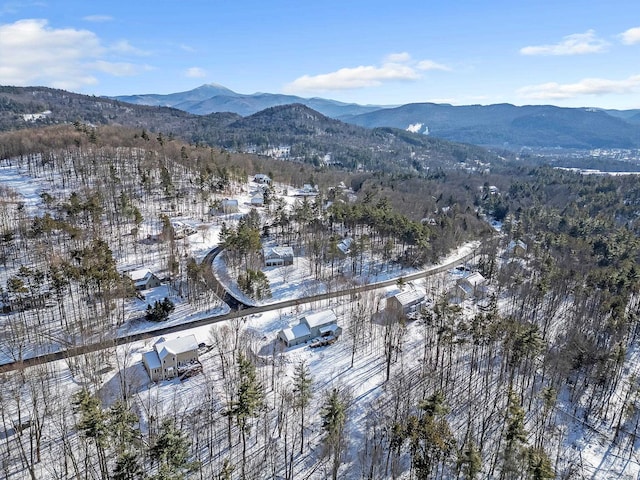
[{"x": 216, "y": 86}]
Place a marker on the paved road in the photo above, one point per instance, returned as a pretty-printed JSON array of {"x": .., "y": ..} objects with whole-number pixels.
[
  {"x": 215, "y": 284},
  {"x": 241, "y": 311}
]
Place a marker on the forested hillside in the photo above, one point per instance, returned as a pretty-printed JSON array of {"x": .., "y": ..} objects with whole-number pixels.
[{"x": 306, "y": 135}]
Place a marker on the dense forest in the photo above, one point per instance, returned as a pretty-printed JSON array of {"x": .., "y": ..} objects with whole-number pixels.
[{"x": 517, "y": 383}]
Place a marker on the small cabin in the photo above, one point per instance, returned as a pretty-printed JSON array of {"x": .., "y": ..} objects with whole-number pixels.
[{"x": 516, "y": 248}]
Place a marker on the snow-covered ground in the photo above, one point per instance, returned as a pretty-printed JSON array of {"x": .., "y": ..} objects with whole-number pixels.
[
  {"x": 20, "y": 188},
  {"x": 589, "y": 448}
]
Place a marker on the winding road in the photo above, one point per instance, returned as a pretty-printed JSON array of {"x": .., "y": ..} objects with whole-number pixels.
[{"x": 238, "y": 310}]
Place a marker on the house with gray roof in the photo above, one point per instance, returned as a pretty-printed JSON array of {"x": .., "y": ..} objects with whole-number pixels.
[
  {"x": 143, "y": 279},
  {"x": 277, "y": 256},
  {"x": 313, "y": 325},
  {"x": 170, "y": 357},
  {"x": 229, "y": 205},
  {"x": 405, "y": 302},
  {"x": 473, "y": 285}
]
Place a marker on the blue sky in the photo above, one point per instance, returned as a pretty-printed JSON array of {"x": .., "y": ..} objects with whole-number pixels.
[{"x": 566, "y": 53}]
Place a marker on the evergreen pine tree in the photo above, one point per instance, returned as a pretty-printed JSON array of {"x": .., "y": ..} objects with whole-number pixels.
[
  {"x": 171, "y": 452},
  {"x": 302, "y": 394},
  {"x": 248, "y": 401},
  {"x": 334, "y": 417}
]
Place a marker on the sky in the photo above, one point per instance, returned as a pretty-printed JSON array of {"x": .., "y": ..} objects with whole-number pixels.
[{"x": 568, "y": 53}]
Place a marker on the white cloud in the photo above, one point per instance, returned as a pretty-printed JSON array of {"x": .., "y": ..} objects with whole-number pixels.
[
  {"x": 396, "y": 67},
  {"x": 401, "y": 57},
  {"x": 587, "y": 86},
  {"x": 576, "y": 44},
  {"x": 98, "y": 18},
  {"x": 195, "y": 72},
  {"x": 126, "y": 48},
  {"x": 33, "y": 53},
  {"x": 431, "y": 65},
  {"x": 631, "y": 36}
]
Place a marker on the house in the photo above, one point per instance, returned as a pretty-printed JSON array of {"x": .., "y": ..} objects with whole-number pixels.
[
  {"x": 473, "y": 285},
  {"x": 229, "y": 206},
  {"x": 277, "y": 256},
  {"x": 344, "y": 246},
  {"x": 169, "y": 358},
  {"x": 307, "y": 190},
  {"x": 262, "y": 178},
  {"x": 516, "y": 248},
  {"x": 257, "y": 200},
  {"x": 405, "y": 302},
  {"x": 143, "y": 279},
  {"x": 314, "y": 325}
]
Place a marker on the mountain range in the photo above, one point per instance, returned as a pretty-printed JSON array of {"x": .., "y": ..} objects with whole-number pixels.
[
  {"x": 504, "y": 125},
  {"x": 213, "y": 98},
  {"x": 293, "y": 131}
]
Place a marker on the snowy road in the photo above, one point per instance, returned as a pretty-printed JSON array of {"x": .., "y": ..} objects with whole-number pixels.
[{"x": 242, "y": 312}]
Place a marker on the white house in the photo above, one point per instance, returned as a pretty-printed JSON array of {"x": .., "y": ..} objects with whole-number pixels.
[
  {"x": 405, "y": 302},
  {"x": 257, "y": 200},
  {"x": 277, "y": 256},
  {"x": 143, "y": 279},
  {"x": 169, "y": 357},
  {"x": 314, "y": 325},
  {"x": 262, "y": 178}
]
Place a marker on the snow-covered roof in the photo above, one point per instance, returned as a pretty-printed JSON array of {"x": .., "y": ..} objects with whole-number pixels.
[
  {"x": 230, "y": 202},
  {"x": 516, "y": 243},
  {"x": 176, "y": 346},
  {"x": 279, "y": 252},
  {"x": 466, "y": 288},
  {"x": 319, "y": 319},
  {"x": 261, "y": 177},
  {"x": 474, "y": 279},
  {"x": 345, "y": 245},
  {"x": 140, "y": 274},
  {"x": 152, "y": 359},
  {"x": 409, "y": 297},
  {"x": 297, "y": 331},
  {"x": 328, "y": 329}
]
